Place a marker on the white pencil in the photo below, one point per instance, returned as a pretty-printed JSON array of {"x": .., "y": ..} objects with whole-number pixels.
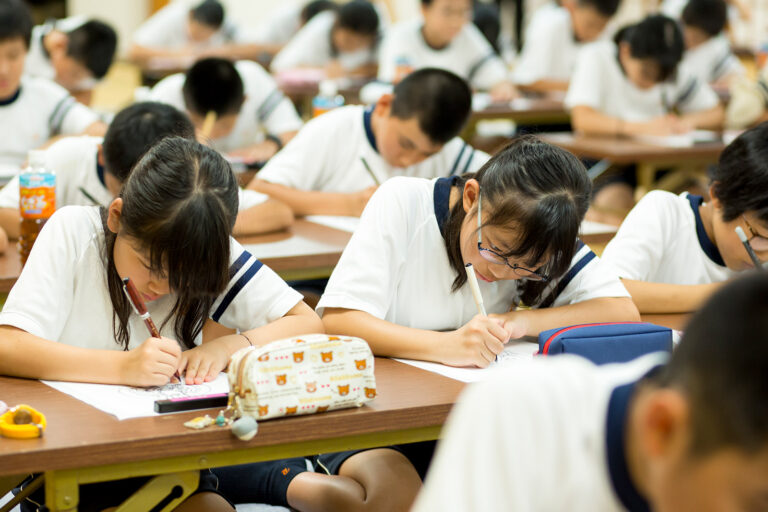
[{"x": 472, "y": 278}]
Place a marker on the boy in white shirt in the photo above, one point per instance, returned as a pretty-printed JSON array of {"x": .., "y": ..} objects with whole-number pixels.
[
  {"x": 91, "y": 172},
  {"x": 562, "y": 434},
  {"x": 32, "y": 110},
  {"x": 337, "y": 160},
  {"x": 341, "y": 41},
  {"x": 253, "y": 119},
  {"x": 707, "y": 49},
  {"x": 284, "y": 22},
  {"x": 74, "y": 52},
  {"x": 553, "y": 39},
  {"x": 672, "y": 252}
]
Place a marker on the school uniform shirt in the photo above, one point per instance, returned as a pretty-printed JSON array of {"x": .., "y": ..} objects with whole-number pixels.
[
  {"x": 663, "y": 240},
  {"x": 599, "y": 82},
  {"x": 265, "y": 108},
  {"x": 62, "y": 293},
  {"x": 468, "y": 55},
  {"x": 543, "y": 436},
  {"x": 75, "y": 161},
  {"x": 38, "y": 62},
  {"x": 328, "y": 155},
  {"x": 168, "y": 28},
  {"x": 674, "y": 9},
  {"x": 550, "y": 48},
  {"x": 713, "y": 60},
  {"x": 39, "y": 110},
  {"x": 396, "y": 267},
  {"x": 312, "y": 47}
]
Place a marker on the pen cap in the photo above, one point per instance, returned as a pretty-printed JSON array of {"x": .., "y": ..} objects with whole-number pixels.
[{"x": 740, "y": 233}]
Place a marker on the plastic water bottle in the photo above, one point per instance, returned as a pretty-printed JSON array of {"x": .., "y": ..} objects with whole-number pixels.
[
  {"x": 327, "y": 99},
  {"x": 37, "y": 200}
]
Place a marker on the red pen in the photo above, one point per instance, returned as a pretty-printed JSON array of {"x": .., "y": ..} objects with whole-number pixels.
[{"x": 141, "y": 309}]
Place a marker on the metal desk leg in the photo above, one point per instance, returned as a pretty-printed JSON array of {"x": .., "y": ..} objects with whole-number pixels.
[
  {"x": 646, "y": 175},
  {"x": 62, "y": 491},
  {"x": 160, "y": 488}
]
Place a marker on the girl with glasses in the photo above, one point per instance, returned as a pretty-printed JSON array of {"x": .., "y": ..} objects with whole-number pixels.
[{"x": 672, "y": 252}]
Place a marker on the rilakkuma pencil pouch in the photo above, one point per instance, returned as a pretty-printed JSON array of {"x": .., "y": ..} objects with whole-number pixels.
[
  {"x": 615, "y": 342},
  {"x": 301, "y": 375}
]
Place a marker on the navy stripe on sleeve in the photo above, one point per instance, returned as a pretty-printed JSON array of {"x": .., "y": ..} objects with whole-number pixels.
[
  {"x": 232, "y": 293},
  {"x": 238, "y": 264}
]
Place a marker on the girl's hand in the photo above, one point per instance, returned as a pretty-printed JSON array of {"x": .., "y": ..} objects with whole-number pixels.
[
  {"x": 514, "y": 322},
  {"x": 203, "y": 363},
  {"x": 358, "y": 200},
  {"x": 152, "y": 363},
  {"x": 476, "y": 343}
]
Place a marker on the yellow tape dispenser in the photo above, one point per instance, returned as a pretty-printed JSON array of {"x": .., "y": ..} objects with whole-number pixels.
[{"x": 22, "y": 422}]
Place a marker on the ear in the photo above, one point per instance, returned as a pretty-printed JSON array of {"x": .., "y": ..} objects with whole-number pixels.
[
  {"x": 113, "y": 215},
  {"x": 470, "y": 194},
  {"x": 57, "y": 42},
  {"x": 569, "y": 5},
  {"x": 383, "y": 106},
  {"x": 624, "y": 50},
  {"x": 100, "y": 155},
  {"x": 714, "y": 199},
  {"x": 664, "y": 425}
]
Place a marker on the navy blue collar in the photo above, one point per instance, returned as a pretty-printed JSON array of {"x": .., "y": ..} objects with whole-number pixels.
[
  {"x": 442, "y": 199},
  {"x": 616, "y": 423},
  {"x": 100, "y": 170},
  {"x": 367, "y": 113},
  {"x": 709, "y": 248},
  {"x": 13, "y": 97}
]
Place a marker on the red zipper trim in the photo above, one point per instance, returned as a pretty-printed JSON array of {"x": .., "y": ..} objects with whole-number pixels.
[{"x": 545, "y": 348}]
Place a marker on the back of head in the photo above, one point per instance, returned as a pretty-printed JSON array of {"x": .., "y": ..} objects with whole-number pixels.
[
  {"x": 213, "y": 84},
  {"x": 439, "y": 99},
  {"x": 315, "y": 7},
  {"x": 657, "y": 38},
  {"x": 486, "y": 19},
  {"x": 209, "y": 13},
  {"x": 606, "y": 8},
  {"x": 720, "y": 365},
  {"x": 740, "y": 179},
  {"x": 93, "y": 44},
  {"x": 709, "y": 16},
  {"x": 137, "y": 128},
  {"x": 180, "y": 204},
  {"x": 15, "y": 21},
  {"x": 360, "y": 17}
]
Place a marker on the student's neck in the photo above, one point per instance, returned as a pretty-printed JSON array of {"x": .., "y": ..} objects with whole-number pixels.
[
  {"x": 636, "y": 463},
  {"x": 430, "y": 40},
  {"x": 706, "y": 211}
]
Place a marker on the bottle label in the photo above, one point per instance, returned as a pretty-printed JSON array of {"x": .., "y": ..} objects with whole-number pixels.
[{"x": 37, "y": 195}]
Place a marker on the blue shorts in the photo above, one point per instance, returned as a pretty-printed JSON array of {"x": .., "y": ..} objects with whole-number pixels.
[{"x": 419, "y": 455}]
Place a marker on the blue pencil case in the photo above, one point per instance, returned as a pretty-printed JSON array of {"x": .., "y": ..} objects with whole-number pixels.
[{"x": 607, "y": 342}]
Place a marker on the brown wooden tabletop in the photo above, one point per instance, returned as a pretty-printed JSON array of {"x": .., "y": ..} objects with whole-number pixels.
[{"x": 525, "y": 110}]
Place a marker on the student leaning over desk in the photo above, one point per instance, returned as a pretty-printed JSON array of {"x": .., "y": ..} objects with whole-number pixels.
[
  {"x": 169, "y": 231},
  {"x": 672, "y": 252}
]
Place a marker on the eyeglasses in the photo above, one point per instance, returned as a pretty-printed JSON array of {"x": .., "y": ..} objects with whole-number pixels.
[
  {"x": 758, "y": 242},
  {"x": 494, "y": 257}
]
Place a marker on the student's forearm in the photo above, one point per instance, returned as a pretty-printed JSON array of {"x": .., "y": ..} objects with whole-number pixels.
[
  {"x": 385, "y": 338},
  {"x": 269, "y": 216},
  {"x": 25, "y": 355},
  {"x": 141, "y": 54},
  {"x": 607, "y": 309},
  {"x": 301, "y": 319},
  {"x": 711, "y": 119},
  {"x": 306, "y": 202},
  {"x": 244, "y": 51},
  {"x": 10, "y": 221},
  {"x": 545, "y": 86},
  {"x": 96, "y": 129},
  {"x": 589, "y": 121},
  {"x": 669, "y": 298}
]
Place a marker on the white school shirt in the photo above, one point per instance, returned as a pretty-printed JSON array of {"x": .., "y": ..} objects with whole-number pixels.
[
  {"x": 311, "y": 47},
  {"x": 599, "y": 82},
  {"x": 544, "y": 436},
  {"x": 468, "y": 55},
  {"x": 713, "y": 60},
  {"x": 39, "y": 110},
  {"x": 38, "y": 63},
  {"x": 167, "y": 28},
  {"x": 62, "y": 293},
  {"x": 75, "y": 161},
  {"x": 396, "y": 267},
  {"x": 550, "y": 49},
  {"x": 663, "y": 240},
  {"x": 265, "y": 107},
  {"x": 674, "y": 9},
  {"x": 327, "y": 156}
]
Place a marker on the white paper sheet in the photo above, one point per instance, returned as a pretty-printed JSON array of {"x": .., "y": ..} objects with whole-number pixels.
[
  {"x": 683, "y": 140},
  {"x": 340, "y": 222},
  {"x": 589, "y": 227},
  {"x": 515, "y": 352},
  {"x": 126, "y": 402},
  {"x": 293, "y": 246}
]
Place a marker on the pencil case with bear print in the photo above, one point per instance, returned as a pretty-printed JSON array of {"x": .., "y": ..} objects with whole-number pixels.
[{"x": 301, "y": 375}]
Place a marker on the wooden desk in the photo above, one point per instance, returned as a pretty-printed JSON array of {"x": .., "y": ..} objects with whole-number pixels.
[
  {"x": 622, "y": 151},
  {"x": 304, "y": 251},
  {"x": 529, "y": 110}
]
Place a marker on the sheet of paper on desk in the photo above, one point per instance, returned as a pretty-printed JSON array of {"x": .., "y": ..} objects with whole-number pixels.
[
  {"x": 293, "y": 246},
  {"x": 589, "y": 227},
  {"x": 683, "y": 140},
  {"x": 515, "y": 352},
  {"x": 126, "y": 402},
  {"x": 340, "y": 222}
]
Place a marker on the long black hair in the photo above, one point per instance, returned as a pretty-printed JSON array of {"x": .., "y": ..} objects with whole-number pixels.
[
  {"x": 179, "y": 206},
  {"x": 542, "y": 193},
  {"x": 657, "y": 38}
]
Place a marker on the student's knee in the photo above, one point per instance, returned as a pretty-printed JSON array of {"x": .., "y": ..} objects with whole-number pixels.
[{"x": 209, "y": 501}]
